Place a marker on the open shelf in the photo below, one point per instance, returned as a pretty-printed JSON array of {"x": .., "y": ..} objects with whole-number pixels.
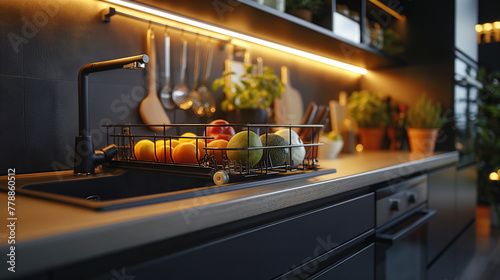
[
  {"x": 373, "y": 57},
  {"x": 260, "y": 21}
]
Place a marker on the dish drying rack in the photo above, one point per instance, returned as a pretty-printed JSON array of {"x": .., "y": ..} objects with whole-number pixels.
[{"x": 123, "y": 136}]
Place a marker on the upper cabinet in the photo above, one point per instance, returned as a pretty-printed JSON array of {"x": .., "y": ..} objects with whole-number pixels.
[
  {"x": 363, "y": 33},
  {"x": 370, "y": 26}
]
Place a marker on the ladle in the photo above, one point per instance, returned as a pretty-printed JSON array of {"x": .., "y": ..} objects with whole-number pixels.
[
  {"x": 207, "y": 97},
  {"x": 197, "y": 101},
  {"x": 166, "y": 91},
  {"x": 180, "y": 94}
]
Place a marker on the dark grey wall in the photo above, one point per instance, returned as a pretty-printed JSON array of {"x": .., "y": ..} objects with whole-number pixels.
[
  {"x": 429, "y": 68},
  {"x": 43, "y": 45},
  {"x": 489, "y": 54}
]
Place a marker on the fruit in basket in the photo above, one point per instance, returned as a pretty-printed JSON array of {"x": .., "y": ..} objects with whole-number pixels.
[
  {"x": 217, "y": 154},
  {"x": 277, "y": 156},
  {"x": 182, "y": 139},
  {"x": 292, "y": 138},
  {"x": 173, "y": 143},
  {"x": 226, "y": 137},
  {"x": 201, "y": 146},
  {"x": 163, "y": 153},
  {"x": 186, "y": 153},
  {"x": 144, "y": 150},
  {"x": 245, "y": 139},
  {"x": 220, "y": 132}
]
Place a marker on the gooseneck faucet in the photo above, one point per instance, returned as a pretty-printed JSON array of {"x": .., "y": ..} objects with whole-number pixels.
[{"x": 86, "y": 159}]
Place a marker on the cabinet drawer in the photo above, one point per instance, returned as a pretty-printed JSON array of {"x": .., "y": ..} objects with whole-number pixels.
[
  {"x": 360, "y": 265},
  {"x": 267, "y": 251}
]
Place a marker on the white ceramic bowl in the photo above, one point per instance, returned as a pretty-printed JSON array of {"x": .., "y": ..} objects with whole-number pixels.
[{"x": 330, "y": 149}]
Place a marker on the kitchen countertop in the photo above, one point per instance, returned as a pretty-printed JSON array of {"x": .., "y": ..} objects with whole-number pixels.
[{"x": 49, "y": 233}]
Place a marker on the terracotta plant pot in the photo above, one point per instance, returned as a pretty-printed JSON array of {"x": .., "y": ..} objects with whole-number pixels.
[
  {"x": 371, "y": 138},
  {"x": 422, "y": 140},
  {"x": 303, "y": 14}
]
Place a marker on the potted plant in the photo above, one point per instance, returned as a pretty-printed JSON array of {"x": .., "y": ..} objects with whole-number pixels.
[
  {"x": 424, "y": 119},
  {"x": 369, "y": 111},
  {"x": 248, "y": 100},
  {"x": 488, "y": 143},
  {"x": 304, "y": 9}
]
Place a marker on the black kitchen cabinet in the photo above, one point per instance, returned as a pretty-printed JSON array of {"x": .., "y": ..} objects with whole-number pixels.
[
  {"x": 360, "y": 265},
  {"x": 443, "y": 268},
  {"x": 270, "y": 250},
  {"x": 466, "y": 195},
  {"x": 451, "y": 233},
  {"x": 442, "y": 198},
  {"x": 453, "y": 261}
]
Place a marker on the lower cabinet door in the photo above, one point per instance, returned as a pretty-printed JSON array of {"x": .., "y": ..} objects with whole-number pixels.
[
  {"x": 466, "y": 195},
  {"x": 360, "y": 265},
  {"x": 442, "y": 198},
  {"x": 267, "y": 251}
]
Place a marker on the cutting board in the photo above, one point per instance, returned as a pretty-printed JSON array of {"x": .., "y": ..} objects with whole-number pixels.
[{"x": 289, "y": 108}]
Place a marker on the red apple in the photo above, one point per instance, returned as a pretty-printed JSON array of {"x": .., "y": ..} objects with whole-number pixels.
[
  {"x": 223, "y": 136},
  {"x": 220, "y": 132}
]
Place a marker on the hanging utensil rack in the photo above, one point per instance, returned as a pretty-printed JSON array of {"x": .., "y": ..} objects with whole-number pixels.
[
  {"x": 124, "y": 137},
  {"x": 106, "y": 15}
]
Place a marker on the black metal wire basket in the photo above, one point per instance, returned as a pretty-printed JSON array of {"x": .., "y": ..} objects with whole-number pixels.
[{"x": 211, "y": 161}]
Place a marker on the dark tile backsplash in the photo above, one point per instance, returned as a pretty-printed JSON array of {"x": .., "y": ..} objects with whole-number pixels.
[
  {"x": 11, "y": 42},
  {"x": 39, "y": 108},
  {"x": 12, "y": 139}
]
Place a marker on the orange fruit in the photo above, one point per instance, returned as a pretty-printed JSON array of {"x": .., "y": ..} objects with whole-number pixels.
[
  {"x": 145, "y": 150},
  {"x": 187, "y": 134},
  {"x": 167, "y": 141},
  {"x": 186, "y": 153},
  {"x": 163, "y": 153},
  {"x": 201, "y": 146},
  {"x": 219, "y": 143}
]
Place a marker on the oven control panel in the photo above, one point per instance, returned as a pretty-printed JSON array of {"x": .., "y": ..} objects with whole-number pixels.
[{"x": 397, "y": 199}]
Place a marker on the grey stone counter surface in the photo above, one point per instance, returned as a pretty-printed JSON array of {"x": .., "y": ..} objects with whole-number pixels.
[{"x": 51, "y": 234}]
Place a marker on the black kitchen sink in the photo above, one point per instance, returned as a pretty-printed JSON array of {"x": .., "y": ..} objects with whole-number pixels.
[
  {"x": 120, "y": 189},
  {"x": 124, "y": 188}
]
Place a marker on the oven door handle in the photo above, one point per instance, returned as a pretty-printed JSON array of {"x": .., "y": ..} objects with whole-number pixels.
[{"x": 392, "y": 238}]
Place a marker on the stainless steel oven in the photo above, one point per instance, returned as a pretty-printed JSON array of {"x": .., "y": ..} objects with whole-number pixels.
[{"x": 401, "y": 234}]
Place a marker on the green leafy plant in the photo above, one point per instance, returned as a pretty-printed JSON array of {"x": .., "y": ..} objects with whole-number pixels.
[
  {"x": 253, "y": 90},
  {"x": 312, "y": 5},
  {"x": 488, "y": 131},
  {"x": 368, "y": 109},
  {"x": 425, "y": 114}
]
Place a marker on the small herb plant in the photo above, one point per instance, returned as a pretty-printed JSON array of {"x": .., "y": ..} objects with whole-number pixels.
[
  {"x": 253, "y": 90},
  {"x": 425, "y": 114},
  {"x": 368, "y": 109}
]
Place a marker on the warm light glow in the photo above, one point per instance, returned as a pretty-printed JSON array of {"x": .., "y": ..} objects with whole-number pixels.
[
  {"x": 479, "y": 28},
  {"x": 240, "y": 36},
  {"x": 496, "y": 24},
  {"x": 359, "y": 148},
  {"x": 487, "y": 26},
  {"x": 387, "y": 9},
  {"x": 494, "y": 176}
]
